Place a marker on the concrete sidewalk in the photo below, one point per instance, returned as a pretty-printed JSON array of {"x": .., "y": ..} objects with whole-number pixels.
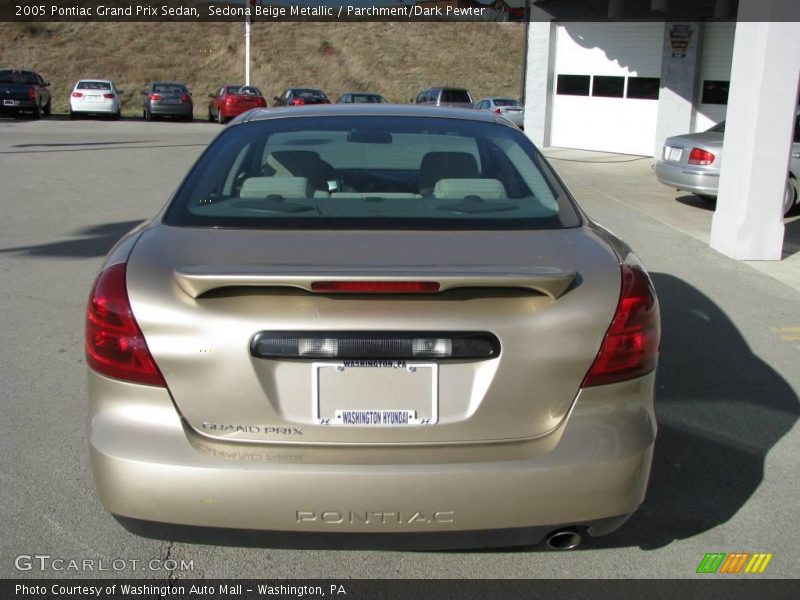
[{"x": 629, "y": 180}]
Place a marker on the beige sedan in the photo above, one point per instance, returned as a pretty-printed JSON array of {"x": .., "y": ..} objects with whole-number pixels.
[{"x": 374, "y": 319}]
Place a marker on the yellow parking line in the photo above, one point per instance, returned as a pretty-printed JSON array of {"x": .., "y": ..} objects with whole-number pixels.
[{"x": 785, "y": 329}]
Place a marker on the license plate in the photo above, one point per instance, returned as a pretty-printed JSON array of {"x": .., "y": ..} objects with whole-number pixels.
[
  {"x": 10, "y": 102},
  {"x": 375, "y": 393},
  {"x": 170, "y": 101},
  {"x": 673, "y": 153},
  {"x": 92, "y": 98}
]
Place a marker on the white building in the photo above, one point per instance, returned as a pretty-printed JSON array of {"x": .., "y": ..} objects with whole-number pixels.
[{"x": 625, "y": 86}]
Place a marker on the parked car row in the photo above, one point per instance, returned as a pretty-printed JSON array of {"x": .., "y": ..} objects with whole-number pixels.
[
  {"x": 27, "y": 91},
  {"x": 230, "y": 101}
]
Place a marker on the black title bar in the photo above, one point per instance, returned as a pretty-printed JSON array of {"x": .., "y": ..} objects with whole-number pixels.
[{"x": 266, "y": 11}]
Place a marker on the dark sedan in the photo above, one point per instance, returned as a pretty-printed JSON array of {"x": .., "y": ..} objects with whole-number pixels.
[
  {"x": 300, "y": 97},
  {"x": 361, "y": 98},
  {"x": 167, "y": 99}
]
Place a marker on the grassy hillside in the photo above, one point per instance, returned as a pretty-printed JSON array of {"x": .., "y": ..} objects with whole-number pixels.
[{"x": 395, "y": 59}]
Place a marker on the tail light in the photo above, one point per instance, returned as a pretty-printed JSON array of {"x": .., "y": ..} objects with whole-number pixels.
[
  {"x": 698, "y": 156},
  {"x": 262, "y": 103},
  {"x": 375, "y": 287},
  {"x": 186, "y": 98},
  {"x": 630, "y": 348},
  {"x": 115, "y": 345},
  {"x": 326, "y": 101},
  {"x": 298, "y": 101},
  {"x": 155, "y": 97},
  {"x": 109, "y": 96},
  {"x": 31, "y": 92},
  {"x": 497, "y": 111},
  {"x": 77, "y": 95}
]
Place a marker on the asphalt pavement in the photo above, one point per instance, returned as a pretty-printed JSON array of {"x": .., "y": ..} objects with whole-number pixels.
[{"x": 725, "y": 469}]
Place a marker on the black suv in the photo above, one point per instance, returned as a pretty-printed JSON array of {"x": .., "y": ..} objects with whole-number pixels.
[
  {"x": 24, "y": 91},
  {"x": 444, "y": 96}
]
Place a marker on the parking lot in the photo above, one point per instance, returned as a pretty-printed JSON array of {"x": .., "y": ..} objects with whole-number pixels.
[{"x": 725, "y": 470}]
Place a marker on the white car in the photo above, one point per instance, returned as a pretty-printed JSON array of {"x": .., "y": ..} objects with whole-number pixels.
[
  {"x": 95, "y": 97},
  {"x": 505, "y": 107}
]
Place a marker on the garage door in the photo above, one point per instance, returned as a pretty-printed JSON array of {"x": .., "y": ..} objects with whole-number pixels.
[
  {"x": 715, "y": 74},
  {"x": 607, "y": 86}
]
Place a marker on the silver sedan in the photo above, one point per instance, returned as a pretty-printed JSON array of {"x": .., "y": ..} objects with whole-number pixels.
[
  {"x": 692, "y": 163},
  {"x": 505, "y": 107}
]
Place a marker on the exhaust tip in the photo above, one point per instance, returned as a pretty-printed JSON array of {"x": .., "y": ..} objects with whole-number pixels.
[{"x": 564, "y": 539}]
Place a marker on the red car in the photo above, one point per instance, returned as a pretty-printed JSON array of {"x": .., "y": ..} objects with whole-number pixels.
[{"x": 232, "y": 100}]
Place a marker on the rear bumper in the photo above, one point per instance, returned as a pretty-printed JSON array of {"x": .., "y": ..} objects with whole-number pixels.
[
  {"x": 591, "y": 471},
  {"x": 687, "y": 178},
  {"x": 229, "y": 112},
  {"x": 174, "y": 110},
  {"x": 106, "y": 106},
  {"x": 517, "y": 119},
  {"x": 19, "y": 106}
]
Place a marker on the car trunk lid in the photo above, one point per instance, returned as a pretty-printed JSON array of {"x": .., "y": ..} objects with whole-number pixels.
[
  {"x": 205, "y": 298},
  {"x": 678, "y": 148}
]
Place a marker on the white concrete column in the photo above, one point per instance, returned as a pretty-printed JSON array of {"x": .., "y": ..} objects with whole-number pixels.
[
  {"x": 748, "y": 222},
  {"x": 540, "y": 81},
  {"x": 679, "y": 74}
]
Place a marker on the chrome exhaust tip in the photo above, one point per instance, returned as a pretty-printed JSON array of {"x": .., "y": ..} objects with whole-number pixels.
[{"x": 564, "y": 539}]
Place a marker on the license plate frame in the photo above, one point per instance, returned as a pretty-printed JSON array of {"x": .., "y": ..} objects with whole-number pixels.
[
  {"x": 418, "y": 412},
  {"x": 673, "y": 153}
]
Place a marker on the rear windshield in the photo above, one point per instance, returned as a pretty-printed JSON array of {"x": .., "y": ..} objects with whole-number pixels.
[
  {"x": 94, "y": 85},
  {"x": 368, "y": 99},
  {"x": 455, "y": 96},
  {"x": 372, "y": 172},
  {"x": 170, "y": 88},
  {"x": 312, "y": 94},
  {"x": 26, "y": 77},
  {"x": 505, "y": 102},
  {"x": 246, "y": 90}
]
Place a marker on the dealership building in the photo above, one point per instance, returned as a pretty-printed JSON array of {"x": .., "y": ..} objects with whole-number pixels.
[
  {"x": 623, "y": 80},
  {"x": 605, "y": 82}
]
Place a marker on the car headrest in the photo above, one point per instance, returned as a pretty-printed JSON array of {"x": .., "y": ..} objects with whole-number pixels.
[
  {"x": 302, "y": 163},
  {"x": 488, "y": 189},
  {"x": 445, "y": 165},
  {"x": 287, "y": 187}
]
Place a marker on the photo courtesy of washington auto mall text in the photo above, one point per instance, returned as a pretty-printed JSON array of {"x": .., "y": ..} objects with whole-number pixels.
[{"x": 179, "y": 590}]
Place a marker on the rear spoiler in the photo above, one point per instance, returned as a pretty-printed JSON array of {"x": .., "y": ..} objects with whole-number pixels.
[{"x": 199, "y": 279}]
